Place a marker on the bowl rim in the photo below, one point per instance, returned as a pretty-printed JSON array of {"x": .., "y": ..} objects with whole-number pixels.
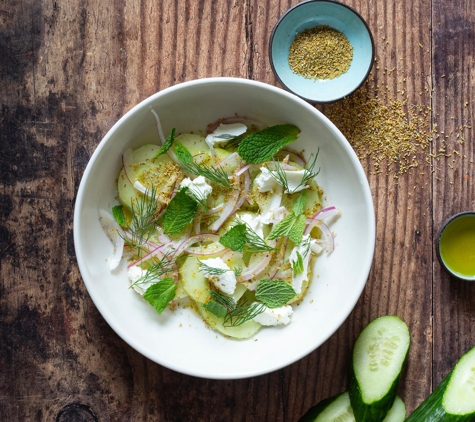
[
  {"x": 303, "y": 3},
  {"x": 447, "y": 222},
  {"x": 80, "y": 198}
]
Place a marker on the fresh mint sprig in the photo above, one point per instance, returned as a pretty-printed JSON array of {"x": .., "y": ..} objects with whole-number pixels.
[
  {"x": 241, "y": 237},
  {"x": 166, "y": 145},
  {"x": 293, "y": 225},
  {"x": 119, "y": 216},
  {"x": 160, "y": 294},
  {"x": 179, "y": 213},
  {"x": 215, "y": 174},
  {"x": 261, "y": 146},
  {"x": 274, "y": 293}
]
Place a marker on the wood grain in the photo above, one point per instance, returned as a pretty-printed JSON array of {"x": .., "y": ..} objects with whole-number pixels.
[{"x": 69, "y": 70}]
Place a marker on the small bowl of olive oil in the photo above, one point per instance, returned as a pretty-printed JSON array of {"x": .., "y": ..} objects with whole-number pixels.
[
  {"x": 456, "y": 245},
  {"x": 321, "y": 50}
]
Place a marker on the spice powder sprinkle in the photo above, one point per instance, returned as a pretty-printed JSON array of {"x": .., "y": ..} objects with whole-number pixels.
[{"x": 320, "y": 53}]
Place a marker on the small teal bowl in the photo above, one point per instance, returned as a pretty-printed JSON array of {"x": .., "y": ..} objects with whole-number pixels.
[{"x": 310, "y": 14}]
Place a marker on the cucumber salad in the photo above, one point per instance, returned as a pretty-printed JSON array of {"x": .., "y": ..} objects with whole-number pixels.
[{"x": 229, "y": 221}]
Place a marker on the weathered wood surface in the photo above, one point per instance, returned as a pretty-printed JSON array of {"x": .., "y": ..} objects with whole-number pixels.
[{"x": 69, "y": 70}]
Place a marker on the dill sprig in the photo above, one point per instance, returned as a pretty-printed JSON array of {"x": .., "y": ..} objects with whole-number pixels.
[
  {"x": 255, "y": 243},
  {"x": 281, "y": 177},
  {"x": 217, "y": 175},
  {"x": 142, "y": 225},
  {"x": 212, "y": 271},
  {"x": 198, "y": 196},
  {"x": 242, "y": 314},
  {"x": 155, "y": 272}
]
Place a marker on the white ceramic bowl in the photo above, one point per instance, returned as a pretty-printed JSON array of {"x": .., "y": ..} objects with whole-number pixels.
[{"x": 179, "y": 339}]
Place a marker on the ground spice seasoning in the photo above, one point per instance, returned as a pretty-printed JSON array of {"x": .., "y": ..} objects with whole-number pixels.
[
  {"x": 320, "y": 53},
  {"x": 391, "y": 135}
]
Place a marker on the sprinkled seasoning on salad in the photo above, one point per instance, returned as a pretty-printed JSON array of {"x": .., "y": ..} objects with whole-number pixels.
[{"x": 230, "y": 221}]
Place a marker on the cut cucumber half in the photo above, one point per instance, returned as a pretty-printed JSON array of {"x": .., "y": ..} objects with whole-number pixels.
[
  {"x": 377, "y": 361},
  {"x": 338, "y": 409},
  {"x": 454, "y": 398}
]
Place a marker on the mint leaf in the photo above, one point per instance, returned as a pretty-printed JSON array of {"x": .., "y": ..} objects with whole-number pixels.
[
  {"x": 118, "y": 214},
  {"x": 263, "y": 145},
  {"x": 167, "y": 144},
  {"x": 299, "y": 204},
  {"x": 183, "y": 154},
  {"x": 298, "y": 265},
  {"x": 274, "y": 293},
  {"x": 216, "y": 308},
  {"x": 179, "y": 213},
  {"x": 291, "y": 226},
  {"x": 235, "y": 238},
  {"x": 160, "y": 294}
]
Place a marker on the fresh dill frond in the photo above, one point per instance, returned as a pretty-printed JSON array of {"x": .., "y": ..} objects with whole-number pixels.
[
  {"x": 201, "y": 199},
  {"x": 226, "y": 301},
  {"x": 237, "y": 270},
  {"x": 212, "y": 271},
  {"x": 216, "y": 174},
  {"x": 144, "y": 213},
  {"x": 156, "y": 271},
  {"x": 233, "y": 142},
  {"x": 308, "y": 174},
  {"x": 242, "y": 314},
  {"x": 255, "y": 243}
]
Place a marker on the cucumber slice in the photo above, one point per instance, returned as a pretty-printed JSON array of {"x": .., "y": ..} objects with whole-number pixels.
[
  {"x": 193, "y": 280},
  {"x": 377, "y": 361},
  {"x": 243, "y": 331},
  {"x": 338, "y": 409},
  {"x": 454, "y": 398}
]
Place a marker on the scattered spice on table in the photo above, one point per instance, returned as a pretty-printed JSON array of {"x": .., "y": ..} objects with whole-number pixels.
[{"x": 320, "y": 53}]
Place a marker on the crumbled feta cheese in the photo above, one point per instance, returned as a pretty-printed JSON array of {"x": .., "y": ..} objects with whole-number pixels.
[
  {"x": 254, "y": 222},
  {"x": 267, "y": 180},
  {"x": 198, "y": 186},
  {"x": 294, "y": 180},
  {"x": 135, "y": 273},
  {"x": 304, "y": 250},
  {"x": 225, "y": 132},
  {"x": 264, "y": 181},
  {"x": 226, "y": 282},
  {"x": 275, "y": 316}
]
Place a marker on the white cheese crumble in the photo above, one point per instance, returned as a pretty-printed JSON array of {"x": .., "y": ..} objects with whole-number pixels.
[
  {"x": 134, "y": 273},
  {"x": 304, "y": 248},
  {"x": 275, "y": 316},
  {"x": 225, "y": 132},
  {"x": 266, "y": 180},
  {"x": 254, "y": 222},
  {"x": 198, "y": 186},
  {"x": 226, "y": 282}
]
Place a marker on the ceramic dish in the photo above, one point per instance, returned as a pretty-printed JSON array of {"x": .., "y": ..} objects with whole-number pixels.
[
  {"x": 179, "y": 339},
  {"x": 310, "y": 14},
  {"x": 456, "y": 245}
]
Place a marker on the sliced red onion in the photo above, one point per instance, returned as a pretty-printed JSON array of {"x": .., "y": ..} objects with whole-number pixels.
[
  {"x": 295, "y": 157},
  {"x": 228, "y": 209},
  {"x": 112, "y": 229},
  {"x": 319, "y": 216},
  {"x": 229, "y": 160},
  {"x": 245, "y": 191},
  {"x": 242, "y": 169},
  {"x": 327, "y": 236},
  {"x": 159, "y": 251},
  {"x": 186, "y": 242}
]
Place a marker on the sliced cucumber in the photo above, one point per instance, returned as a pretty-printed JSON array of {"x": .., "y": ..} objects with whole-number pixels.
[
  {"x": 377, "y": 361},
  {"x": 454, "y": 398},
  {"x": 243, "y": 331},
  {"x": 194, "y": 282},
  {"x": 338, "y": 409}
]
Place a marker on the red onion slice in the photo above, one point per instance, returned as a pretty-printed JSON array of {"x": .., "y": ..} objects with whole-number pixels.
[{"x": 112, "y": 229}]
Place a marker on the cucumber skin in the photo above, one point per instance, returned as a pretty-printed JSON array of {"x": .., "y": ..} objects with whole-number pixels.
[
  {"x": 376, "y": 411},
  {"x": 431, "y": 409},
  {"x": 314, "y": 411}
]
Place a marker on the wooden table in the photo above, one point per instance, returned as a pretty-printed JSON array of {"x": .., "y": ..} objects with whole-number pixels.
[{"x": 69, "y": 70}]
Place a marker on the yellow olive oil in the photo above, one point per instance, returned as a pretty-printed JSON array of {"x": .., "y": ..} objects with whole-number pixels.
[{"x": 457, "y": 246}]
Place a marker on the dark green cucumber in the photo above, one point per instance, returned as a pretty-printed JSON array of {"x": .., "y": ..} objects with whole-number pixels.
[
  {"x": 378, "y": 358},
  {"x": 338, "y": 409},
  {"x": 454, "y": 398}
]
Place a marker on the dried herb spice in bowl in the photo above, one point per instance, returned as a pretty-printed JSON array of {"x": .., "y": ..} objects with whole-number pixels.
[
  {"x": 320, "y": 53},
  {"x": 321, "y": 50}
]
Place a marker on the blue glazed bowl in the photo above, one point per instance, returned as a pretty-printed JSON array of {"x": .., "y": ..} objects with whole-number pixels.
[{"x": 310, "y": 14}]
